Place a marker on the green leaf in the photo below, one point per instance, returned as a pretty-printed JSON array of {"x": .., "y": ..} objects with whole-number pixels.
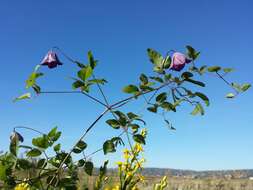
[
  {"x": 3, "y": 171},
  {"x": 139, "y": 139},
  {"x": 24, "y": 164},
  {"x": 88, "y": 167},
  {"x": 108, "y": 147},
  {"x": 132, "y": 116},
  {"x": 80, "y": 163},
  {"x": 153, "y": 109},
  {"x": 159, "y": 69},
  {"x": 214, "y": 69},
  {"x": 168, "y": 106},
  {"x": 203, "y": 97},
  {"x": 33, "y": 153},
  {"x": 77, "y": 84},
  {"x": 155, "y": 57},
  {"x": 202, "y": 69},
  {"x": 41, "y": 142},
  {"x": 130, "y": 89},
  {"x": 192, "y": 53},
  {"x": 195, "y": 82},
  {"x": 186, "y": 75},
  {"x": 161, "y": 97},
  {"x": 198, "y": 109},
  {"x": 166, "y": 62},
  {"x": 36, "y": 88},
  {"x": 92, "y": 62},
  {"x": 230, "y": 95},
  {"x": 57, "y": 147},
  {"x": 23, "y": 96},
  {"x": 236, "y": 86},
  {"x": 97, "y": 81},
  {"x": 113, "y": 123},
  {"x": 144, "y": 79},
  {"x": 32, "y": 79},
  {"x": 117, "y": 140},
  {"x": 82, "y": 145},
  {"x": 85, "y": 73},
  {"x": 245, "y": 87},
  {"x": 228, "y": 70},
  {"x": 52, "y": 132},
  {"x": 41, "y": 163}
]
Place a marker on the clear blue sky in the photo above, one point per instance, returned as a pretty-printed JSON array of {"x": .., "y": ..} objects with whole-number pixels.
[{"x": 118, "y": 33}]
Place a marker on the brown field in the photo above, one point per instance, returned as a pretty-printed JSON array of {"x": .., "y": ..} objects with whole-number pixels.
[{"x": 182, "y": 183}]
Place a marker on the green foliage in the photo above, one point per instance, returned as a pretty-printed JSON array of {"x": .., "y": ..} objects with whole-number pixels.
[
  {"x": 192, "y": 53},
  {"x": 131, "y": 89},
  {"x": 198, "y": 109},
  {"x": 139, "y": 138},
  {"x": 80, "y": 146},
  {"x": 88, "y": 167},
  {"x": 108, "y": 147},
  {"x": 23, "y": 96},
  {"x": 214, "y": 69},
  {"x": 33, "y": 153}
]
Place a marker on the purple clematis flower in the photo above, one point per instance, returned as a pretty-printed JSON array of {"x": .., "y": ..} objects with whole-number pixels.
[
  {"x": 16, "y": 136},
  {"x": 51, "y": 60},
  {"x": 178, "y": 61}
]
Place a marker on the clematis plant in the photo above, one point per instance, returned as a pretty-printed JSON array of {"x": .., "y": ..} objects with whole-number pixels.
[{"x": 163, "y": 92}]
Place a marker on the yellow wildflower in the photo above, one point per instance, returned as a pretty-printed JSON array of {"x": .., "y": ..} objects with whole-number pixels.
[
  {"x": 144, "y": 132},
  {"x": 126, "y": 154},
  {"x": 138, "y": 148},
  {"x": 116, "y": 187},
  {"x": 22, "y": 186}
]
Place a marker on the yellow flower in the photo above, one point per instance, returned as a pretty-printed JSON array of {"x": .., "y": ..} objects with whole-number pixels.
[
  {"x": 116, "y": 187},
  {"x": 22, "y": 186},
  {"x": 119, "y": 163},
  {"x": 135, "y": 188},
  {"x": 138, "y": 148},
  {"x": 126, "y": 154},
  {"x": 144, "y": 132},
  {"x": 129, "y": 174},
  {"x": 141, "y": 177}
]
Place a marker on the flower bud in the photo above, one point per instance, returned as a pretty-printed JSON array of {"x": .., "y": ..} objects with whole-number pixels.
[
  {"x": 178, "y": 61},
  {"x": 16, "y": 136},
  {"x": 51, "y": 60}
]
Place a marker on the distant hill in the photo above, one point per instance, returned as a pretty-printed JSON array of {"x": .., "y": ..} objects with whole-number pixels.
[
  {"x": 199, "y": 174},
  {"x": 236, "y": 174}
]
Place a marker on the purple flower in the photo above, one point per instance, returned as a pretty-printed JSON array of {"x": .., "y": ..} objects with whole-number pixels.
[
  {"x": 51, "y": 60},
  {"x": 15, "y": 136},
  {"x": 178, "y": 61}
]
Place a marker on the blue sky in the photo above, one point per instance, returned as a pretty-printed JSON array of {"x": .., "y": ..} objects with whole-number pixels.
[{"x": 119, "y": 33}]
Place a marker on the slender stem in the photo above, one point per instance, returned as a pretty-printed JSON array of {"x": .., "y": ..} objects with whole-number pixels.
[
  {"x": 64, "y": 54},
  {"x": 28, "y": 128},
  {"x": 98, "y": 150},
  {"x": 87, "y": 130},
  {"x": 229, "y": 84},
  {"x": 74, "y": 92},
  {"x": 101, "y": 91},
  {"x": 134, "y": 96}
]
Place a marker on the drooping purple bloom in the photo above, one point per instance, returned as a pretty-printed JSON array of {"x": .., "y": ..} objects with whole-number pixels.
[
  {"x": 51, "y": 60},
  {"x": 15, "y": 136},
  {"x": 178, "y": 61}
]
